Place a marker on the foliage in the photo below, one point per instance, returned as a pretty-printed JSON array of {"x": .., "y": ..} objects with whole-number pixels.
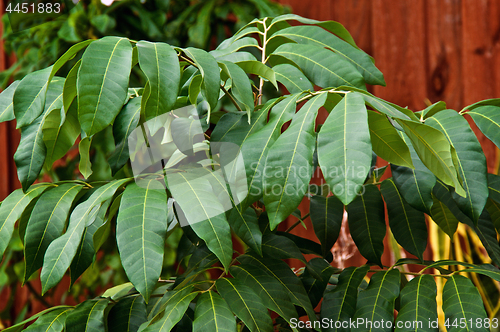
[
  {"x": 212, "y": 173},
  {"x": 39, "y": 42}
]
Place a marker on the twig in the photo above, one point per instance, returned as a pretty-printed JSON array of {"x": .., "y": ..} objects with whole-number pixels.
[
  {"x": 37, "y": 295},
  {"x": 263, "y": 60},
  {"x": 232, "y": 98},
  {"x": 297, "y": 223}
]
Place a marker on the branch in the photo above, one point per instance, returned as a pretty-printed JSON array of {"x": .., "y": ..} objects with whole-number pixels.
[{"x": 231, "y": 97}]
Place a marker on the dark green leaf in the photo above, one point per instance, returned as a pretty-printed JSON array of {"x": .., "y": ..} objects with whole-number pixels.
[
  {"x": 127, "y": 315},
  {"x": 245, "y": 225},
  {"x": 50, "y": 322},
  {"x": 326, "y": 217},
  {"x": 260, "y": 69},
  {"x": 367, "y": 223},
  {"x": 7, "y": 103},
  {"x": 87, "y": 316},
  {"x": 69, "y": 93},
  {"x": 407, "y": 224},
  {"x": 212, "y": 314},
  {"x": 292, "y": 78},
  {"x": 487, "y": 118}
]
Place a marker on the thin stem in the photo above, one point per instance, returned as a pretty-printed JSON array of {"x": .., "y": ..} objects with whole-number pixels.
[
  {"x": 232, "y": 98},
  {"x": 37, "y": 295},
  {"x": 297, "y": 223},
  {"x": 263, "y": 60}
]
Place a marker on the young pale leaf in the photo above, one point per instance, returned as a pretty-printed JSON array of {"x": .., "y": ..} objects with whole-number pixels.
[
  {"x": 7, "y": 103},
  {"x": 256, "y": 147},
  {"x": 289, "y": 163},
  {"x": 285, "y": 276},
  {"x": 367, "y": 223},
  {"x": 326, "y": 217},
  {"x": 125, "y": 122},
  {"x": 203, "y": 210},
  {"x": 344, "y": 147},
  {"x": 85, "y": 166},
  {"x": 160, "y": 64},
  {"x": 414, "y": 184},
  {"x": 376, "y": 302},
  {"x": 241, "y": 87},
  {"x": 273, "y": 295},
  {"x": 46, "y": 223},
  {"x": 314, "y": 35},
  {"x": 69, "y": 91},
  {"x": 127, "y": 315},
  {"x": 85, "y": 254},
  {"x": 175, "y": 308},
  {"x": 140, "y": 233},
  {"x": 407, "y": 224},
  {"x": 52, "y": 321},
  {"x": 292, "y": 78},
  {"x": 418, "y": 305},
  {"x": 29, "y": 97},
  {"x": 487, "y": 118},
  {"x": 339, "y": 304},
  {"x": 88, "y": 316},
  {"x": 245, "y": 304},
  {"x": 61, "y": 251},
  {"x": 386, "y": 142},
  {"x": 59, "y": 133},
  {"x": 228, "y": 48},
  {"x": 323, "y": 67},
  {"x": 102, "y": 82},
  {"x": 209, "y": 70},
  {"x": 212, "y": 314},
  {"x": 260, "y": 69},
  {"x": 471, "y": 160},
  {"x": 11, "y": 209},
  {"x": 246, "y": 226},
  {"x": 435, "y": 152},
  {"x": 461, "y": 301}
]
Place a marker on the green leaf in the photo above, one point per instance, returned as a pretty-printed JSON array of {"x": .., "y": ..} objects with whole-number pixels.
[
  {"x": 367, "y": 223},
  {"x": 272, "y": 293},
  {"x": 160, "y": 64},
  {"x": 435, "y": 152},
  {"x": 68, "y": 55},
  {"x": 140, "y": 233},
  {"x": 127, "y": 315},
  {"x": 227, "y": 49},
  {"x": 61, "y": 251},
  {"x": 195, "y": 88},
  {"x": 344, "y": 147},
  {"x": 386, "y": 142},
  {"x": 52, "y": 321},
  {"x": 20, "y": 325},
  {"x": 85, "y": 254},
  {"x": 88, "y": 316},
  {"x": 376, "y": 302},
  {"x": 203, "y": 210},
  {"x": 126, "y": 121},
  {"x": 321, "y": 66},
  {"x": 432, "y": 109},
  {"x": 46, "y": 223},
  {"x": 418, "y": 304},
  {"x": 488, "y": 236},
  {"x": 256, "y": 147},
  {"x": 246, "y": 226},
  {"x": 326, "y": 217},
  {"x": 487, "y": 118},
  {"x": 102, "y": 82},
  {"x": 471, "y": 160},
  {"x": 260, "y": 69},
  {"x": 175, "y": 308},
  {"x": 241, "y": 87},
  {"x": 7, "y": 102},
  {"x": 494, "y": 187},
  {"x": 282, "y": 272},
  {"x": 415, "y": 184},
  {"x": 339, "y": 304},
  {"x": 280, "y": 247},
  {"x": 332, "y": 26},
  {"x": 59, "y": 132},
  {"x": 314, "y": 35},
  {"x": 85, "y": 166},
  {"x": 407, "y": 224},
  {"x": 292, "y": 78},
  {"x": 245, "y": 304},
  {"x": 11, "y": 209},
  {"x": 315, "y": 285},
  {"x": 289, "y": 163},
  {"x": 29, "y": 97},
  {"x": 209, "y": 70},
  {"x": 443, "y": 217},
  {"x": 70, "y": 85},
  {"x": 461, "y": 300},
  {"x": 212, "y": 314}
]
